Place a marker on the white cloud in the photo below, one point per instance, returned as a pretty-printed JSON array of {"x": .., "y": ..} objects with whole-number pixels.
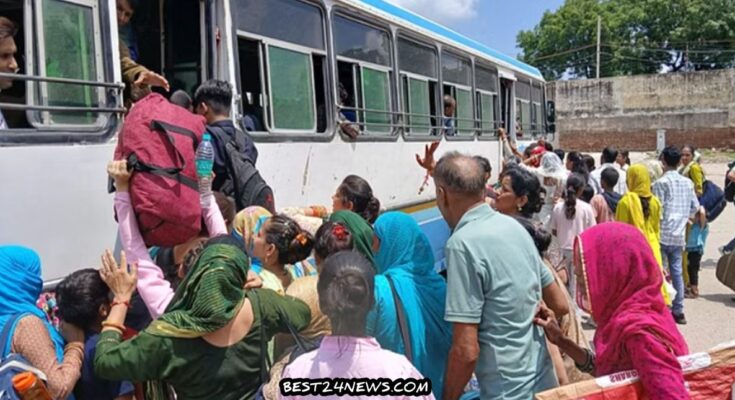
[{"x": 442, "y": 11}]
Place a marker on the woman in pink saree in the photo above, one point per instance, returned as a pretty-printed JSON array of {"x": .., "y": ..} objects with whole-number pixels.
[{"x": 619, "y": 284}]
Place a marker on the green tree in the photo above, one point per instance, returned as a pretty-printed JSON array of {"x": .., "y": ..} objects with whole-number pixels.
[{"x": 638, "y": 37}]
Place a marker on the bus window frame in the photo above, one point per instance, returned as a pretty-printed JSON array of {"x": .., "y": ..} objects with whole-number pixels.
[
  {"x": 112, "y": 103},
  {"x": 417, "y": 40},
  {"x": 497, "y": 118},
  {"x": 280, "y": 136},
  {"x": 395, "y": 113},
  {"x": 461, "y": 86},
  {"x": 406, "y": 127},
  {"x": 270, "y": 97},
  {"x": 482, "y": 134}
]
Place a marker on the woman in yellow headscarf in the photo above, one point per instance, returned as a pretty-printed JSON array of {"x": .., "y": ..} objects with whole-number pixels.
[{"x": 640, "y": 208}]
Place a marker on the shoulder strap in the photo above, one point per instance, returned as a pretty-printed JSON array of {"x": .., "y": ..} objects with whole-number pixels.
[
  {"x": 5, "y": 336},
  {"x": 402, "y": 321}
]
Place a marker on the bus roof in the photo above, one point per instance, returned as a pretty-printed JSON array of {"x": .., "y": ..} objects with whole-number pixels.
[{"x": 421, "y": 24}]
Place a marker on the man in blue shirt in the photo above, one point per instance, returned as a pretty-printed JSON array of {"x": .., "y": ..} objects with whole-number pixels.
[{"x": 495, "y": 284}]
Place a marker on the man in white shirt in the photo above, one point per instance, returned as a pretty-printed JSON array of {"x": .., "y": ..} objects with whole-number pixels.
[
  {"x": 609, "y": 155},
  {"x": 8, "y": 64}
]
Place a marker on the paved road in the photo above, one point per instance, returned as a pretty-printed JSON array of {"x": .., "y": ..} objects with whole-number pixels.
[{"x": 711, "y": 318}]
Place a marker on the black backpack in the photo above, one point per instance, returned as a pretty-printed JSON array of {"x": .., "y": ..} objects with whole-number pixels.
[
  {"x": 729, "y": 184},
  {"x": 243, "y": 182}
]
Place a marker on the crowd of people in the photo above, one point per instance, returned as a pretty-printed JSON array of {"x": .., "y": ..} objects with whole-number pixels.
[
  {"x": 258, "y": 297},
  {"x": 265, "y": 297}
]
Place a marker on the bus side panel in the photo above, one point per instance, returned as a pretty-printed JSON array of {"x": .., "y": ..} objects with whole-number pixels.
[{"x": 55, "y": 201}]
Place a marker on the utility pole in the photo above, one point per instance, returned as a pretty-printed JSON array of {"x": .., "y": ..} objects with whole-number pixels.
[{"x": 599, "y": 29}]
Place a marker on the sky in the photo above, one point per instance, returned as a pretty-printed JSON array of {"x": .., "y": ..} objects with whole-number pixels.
[{"x": 492, "y": 22}]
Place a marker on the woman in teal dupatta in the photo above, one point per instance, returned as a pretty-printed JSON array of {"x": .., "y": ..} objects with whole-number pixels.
[{"x": 406, "y": 259}]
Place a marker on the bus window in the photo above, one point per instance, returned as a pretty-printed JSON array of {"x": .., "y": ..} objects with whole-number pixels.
[
  {"x": 70, "y": 49},
  {"x": 523, "y": 107},
  {"x": 457, "y": 78},
  {"x": 283, "y": 69},
  {"x": 486, "y": 81},
  {"x": 60, "y": 82},
  {"x": 418, "y": 65},
  {"x": 364, "y": 67},
  {"x": 292, "y": 104},
  {"x": 537, "y": 117}
]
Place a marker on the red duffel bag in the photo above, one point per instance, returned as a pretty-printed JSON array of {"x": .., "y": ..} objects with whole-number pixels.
[{"x": 159, "y": 140}]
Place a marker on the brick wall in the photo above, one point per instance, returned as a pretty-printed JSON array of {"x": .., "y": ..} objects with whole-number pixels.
[{"x": 626, "y": 112}]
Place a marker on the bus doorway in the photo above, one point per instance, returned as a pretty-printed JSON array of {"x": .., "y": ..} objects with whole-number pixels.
[
  {"x": 506, "y": 104},
  {"x": 166, "y": 36}
]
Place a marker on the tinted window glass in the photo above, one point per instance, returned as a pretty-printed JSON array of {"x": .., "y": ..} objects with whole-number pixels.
[
  {"x": 417, "y": 59},
  {"x": 418, "y": 105},
  {"x": 376, "y": 89},
  {"x": 486, "y": 79},
  {"x": 456, "y": 70},
  {"x": 292, "y": 96},
  {"x": 288, "y": 20},
  {"x": 70, "y": 53},
  {"x": 465, "y": 116},
  {"x": 361, "y": 42},
  {"x": 523, "y": 90}
]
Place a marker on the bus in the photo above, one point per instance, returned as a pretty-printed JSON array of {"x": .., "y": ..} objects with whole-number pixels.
[{"x": 296, "y": 66}]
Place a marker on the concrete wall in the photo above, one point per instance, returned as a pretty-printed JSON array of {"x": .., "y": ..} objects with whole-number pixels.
[{"x": 626, "y": 112}]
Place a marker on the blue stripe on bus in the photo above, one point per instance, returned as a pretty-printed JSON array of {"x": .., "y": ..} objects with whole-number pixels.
[
  {"x": 449, "y": 34},
  {"x": 438, "y": 232}
]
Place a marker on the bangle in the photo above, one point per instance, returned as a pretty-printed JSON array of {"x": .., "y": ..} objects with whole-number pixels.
[
  {"x": 120, "y": 303},
  {"x": 113, "y": 325}
]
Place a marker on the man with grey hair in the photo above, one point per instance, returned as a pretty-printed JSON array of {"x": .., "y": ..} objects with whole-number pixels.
[{"x": 495, "y": 283}]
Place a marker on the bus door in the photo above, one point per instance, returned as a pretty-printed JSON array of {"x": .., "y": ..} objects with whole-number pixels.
[
  {"x": 167, "y": 36},
  {"x": 506, "y": 105}
]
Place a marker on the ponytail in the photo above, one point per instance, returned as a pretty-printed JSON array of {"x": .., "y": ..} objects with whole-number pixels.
[
  {"x": 574, "y": 184},
  {"x": 646, "y": 206},
  {"x": 292, "y": 242}
]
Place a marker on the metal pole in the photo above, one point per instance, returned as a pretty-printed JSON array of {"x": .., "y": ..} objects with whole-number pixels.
[{"x": 599, "y": 28}]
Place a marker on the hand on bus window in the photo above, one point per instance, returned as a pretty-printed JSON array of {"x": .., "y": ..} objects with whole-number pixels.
[
  {"x": 428, "y": 163},
  {"x": 119, "y": 278},
  {"x": 118, "y": 170},
  {"x": 153, "y": 79}
]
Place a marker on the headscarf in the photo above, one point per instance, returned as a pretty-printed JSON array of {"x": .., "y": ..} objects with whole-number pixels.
[
  {"x": 20, "y": 286},
  {"x": 246, "y": 225},
  {"x": 552, "y": 167},
  {"x": 538, "y": 151},
  {"x": 406, "y": 257},
  {"x": 623, "y": 286},
  {"x": 639, "y": 185},
  {"x": 362, "y": 233},
  {"x": 639, "y": 180},
  {"x": 209, "y": 297}
]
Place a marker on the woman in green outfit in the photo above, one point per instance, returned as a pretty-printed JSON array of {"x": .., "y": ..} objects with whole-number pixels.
[{"x": 207, "y": 344}]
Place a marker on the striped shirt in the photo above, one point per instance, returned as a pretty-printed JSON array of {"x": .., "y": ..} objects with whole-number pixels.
[{"x": 679, "y": 203}]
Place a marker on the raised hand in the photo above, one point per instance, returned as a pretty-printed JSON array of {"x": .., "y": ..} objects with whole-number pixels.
[
  {"x": 153, "y": 79},
  {"x": 428, "y": 163},
  {"x": 121, "y": 282},
  {"x": 118, "y": 170}
]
